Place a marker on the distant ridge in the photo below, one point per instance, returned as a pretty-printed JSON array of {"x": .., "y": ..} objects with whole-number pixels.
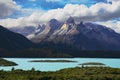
[{"x": 13, "y": 41}]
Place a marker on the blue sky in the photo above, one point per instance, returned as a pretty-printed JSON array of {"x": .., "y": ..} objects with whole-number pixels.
[
  {"x": 50, "y": 4},
  {"x": 53, "y": 4}
]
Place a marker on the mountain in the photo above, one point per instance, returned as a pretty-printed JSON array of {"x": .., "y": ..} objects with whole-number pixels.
[
  {"x": 15, "y": 45},
  {"x": 62, "y": 39},
  {"x": 54, "y": 24},
  {"x": 80, "y": 36},
  {"x": 70, "y": 20},
  {"x": 26, "y": 30},
  {"x": 13, "y": 41}
]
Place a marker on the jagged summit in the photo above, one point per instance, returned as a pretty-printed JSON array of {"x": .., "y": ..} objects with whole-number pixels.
[
  {"x": 81, "y": 23},
  {"x": 70, "y": 20},
  {"x": 53, "y": 21},
  {"x": 85, "y": 36}
]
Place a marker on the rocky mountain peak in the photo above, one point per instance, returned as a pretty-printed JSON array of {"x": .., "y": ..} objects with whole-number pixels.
[
  {"x": 54, "y": 25},
  {"x": 88, "y": 36},
  {"x": 53, "y": 21},
  {"x": 70, "y": 20}
]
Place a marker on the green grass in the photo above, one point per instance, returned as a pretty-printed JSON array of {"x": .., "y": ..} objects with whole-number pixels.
[
  {"x": 87, "y": 73},
  {"x": 92, "y": 63},
  {"x": 4, "y": 62}
]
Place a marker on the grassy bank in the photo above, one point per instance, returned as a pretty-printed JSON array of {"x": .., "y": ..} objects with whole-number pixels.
[
  {"x": 85, "y": 73},
  {"x": 4, "y": 62}
]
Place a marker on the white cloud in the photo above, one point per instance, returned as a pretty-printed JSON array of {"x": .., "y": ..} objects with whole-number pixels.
[
  {"x": 113, "y": 24},
  {"x": 7, "y": 7},
  {"x": 96, "y": 12},
  {"x": 31, "y": 20},
  {"x": 112, "y": 0}
]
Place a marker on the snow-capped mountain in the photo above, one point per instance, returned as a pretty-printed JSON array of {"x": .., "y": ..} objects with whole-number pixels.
[{"x": 84, "y": 36}]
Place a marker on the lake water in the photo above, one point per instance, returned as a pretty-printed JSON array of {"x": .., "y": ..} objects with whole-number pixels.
[{"x": 45, "y": 66}]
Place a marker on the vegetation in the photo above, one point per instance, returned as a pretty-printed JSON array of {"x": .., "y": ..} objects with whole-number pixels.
[
  {"x": 92, "y": 63},
  {"x": 52, "y": 61},
  {"x": 4, "y": 62},
  {"x": 34, "y": 53},
  {"x": 57, "y": 52},
  {"x": 86, "y": 73}
]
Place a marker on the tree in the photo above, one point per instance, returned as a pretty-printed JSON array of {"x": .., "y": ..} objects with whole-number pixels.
[
  {"x": 33, "y": 69},
  {"x": 12, "y": 69}
]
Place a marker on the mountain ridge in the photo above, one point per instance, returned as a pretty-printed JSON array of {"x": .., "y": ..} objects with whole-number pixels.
[
  {"x": 84, "y": 36},
  {"x": 84, "y": 42},
  {"x": 13, "y": 41}
]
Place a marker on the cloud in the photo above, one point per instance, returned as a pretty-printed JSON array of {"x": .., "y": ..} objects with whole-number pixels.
[
  {"x": 7, "y": 8},
  {"x": 113, "y": 24},
  {"x": 113, "y": 0},
  {"x": 97, "y": 12},
  {"x": 31, "y": 20}
]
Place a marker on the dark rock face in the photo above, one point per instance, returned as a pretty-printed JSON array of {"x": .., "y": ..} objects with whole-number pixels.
[
  {"x": 54, "y": 25},
  {"x": 70, "y": 20},
  {"x": 83, "y": 36},
  {"x": 12, "y": 41}
]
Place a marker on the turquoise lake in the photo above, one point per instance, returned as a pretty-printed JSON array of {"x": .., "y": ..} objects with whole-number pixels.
[{"x": 23, "y": 63}]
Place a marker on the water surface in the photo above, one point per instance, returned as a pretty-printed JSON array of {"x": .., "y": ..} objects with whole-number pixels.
[{"x": 23, "y": 63}]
